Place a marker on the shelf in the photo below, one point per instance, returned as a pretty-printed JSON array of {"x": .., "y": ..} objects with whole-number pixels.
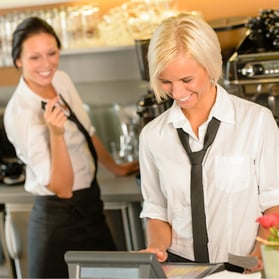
[
  {"x": 96, "y": 49},
  {"x": 6, "y": 61},
  {"x": 28, "y": 3}
]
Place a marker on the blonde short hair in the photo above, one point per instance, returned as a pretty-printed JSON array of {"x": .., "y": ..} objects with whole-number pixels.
[{"x": 188, "y": 34}]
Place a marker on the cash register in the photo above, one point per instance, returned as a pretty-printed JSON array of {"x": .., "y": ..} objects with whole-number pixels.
[{"x": 131, "y": 265}]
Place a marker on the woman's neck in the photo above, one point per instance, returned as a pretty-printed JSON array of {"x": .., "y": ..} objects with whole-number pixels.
[
  {"x": 46, "y": 92},
  {"x": 199, "y": 114}
]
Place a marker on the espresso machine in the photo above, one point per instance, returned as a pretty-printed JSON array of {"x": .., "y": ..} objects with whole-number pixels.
[
  {"x": 252, "y": 72},
  {"x": 12, "y": 170},
  {"x": 147, "y": 107}
]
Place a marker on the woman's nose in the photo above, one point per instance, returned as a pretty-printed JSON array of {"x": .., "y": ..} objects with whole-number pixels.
[
  {"x": 178, "y": 91},
  {"x": 46, "y": 61}
]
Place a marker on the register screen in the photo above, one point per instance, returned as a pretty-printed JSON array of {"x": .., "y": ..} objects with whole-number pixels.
[{"x": 109, "y": 272}]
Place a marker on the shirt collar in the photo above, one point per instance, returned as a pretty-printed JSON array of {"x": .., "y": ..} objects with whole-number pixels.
[
  {"x": 33, "y": 98},
  {"x": 58, "y": 84},
  {"x": 222, "y": 109}
]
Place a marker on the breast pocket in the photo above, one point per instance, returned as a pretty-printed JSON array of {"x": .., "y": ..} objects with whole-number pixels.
[{"x": 232, "y": 173}]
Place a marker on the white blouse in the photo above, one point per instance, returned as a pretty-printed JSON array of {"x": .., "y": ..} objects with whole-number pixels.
[
  {"x": 240, "y": 175},
  {"x": 28, "y": 132}
]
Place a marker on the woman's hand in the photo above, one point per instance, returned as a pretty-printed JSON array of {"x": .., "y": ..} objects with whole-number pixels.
[
  {"x": 161, "y": 255},
  {"x": 54, "y": 116},
  {"x": 259, "y": 266},
  {"x": 126, "y": 168},
  {"x": 109, "y": 163},
  {"x": 262, "y": 233}
]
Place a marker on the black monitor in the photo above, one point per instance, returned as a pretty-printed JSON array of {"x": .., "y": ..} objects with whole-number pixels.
[
  {"x": 112, "y": 265},
  {"x": 131, "y": 265}
]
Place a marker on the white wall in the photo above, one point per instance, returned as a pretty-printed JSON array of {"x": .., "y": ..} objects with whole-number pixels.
[{"x": 101, "y": 64}]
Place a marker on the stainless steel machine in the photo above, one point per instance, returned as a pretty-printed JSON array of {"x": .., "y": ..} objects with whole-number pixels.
[
  {"x": 252, "y": 72},
  {"x": 12, "y": 170},
  {"x": 147, "y": 107}
]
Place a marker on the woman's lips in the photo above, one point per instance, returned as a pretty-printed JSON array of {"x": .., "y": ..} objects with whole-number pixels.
[
  {"x": 185, "y": 98},
  {"x": 45, "y": 73}
]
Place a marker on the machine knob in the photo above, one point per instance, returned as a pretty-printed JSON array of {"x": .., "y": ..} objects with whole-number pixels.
[{"x": 250, "y": 70}]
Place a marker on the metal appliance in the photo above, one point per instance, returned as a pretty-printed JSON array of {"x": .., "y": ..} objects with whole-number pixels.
[
  {"x": 147, "y": 107},
  {"x": 252, "y": 72},
  {"x": 12, "y": 170}
]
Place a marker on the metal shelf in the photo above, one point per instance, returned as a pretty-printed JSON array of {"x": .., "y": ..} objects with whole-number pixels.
[
  {"x": 96, "y": 49},
  {"x": 26, "y": 3}
]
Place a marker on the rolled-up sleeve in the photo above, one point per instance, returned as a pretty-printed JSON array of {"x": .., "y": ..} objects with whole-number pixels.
[
  {"x": 268, "y": 163},
  {"x": 155, "y": 204}
]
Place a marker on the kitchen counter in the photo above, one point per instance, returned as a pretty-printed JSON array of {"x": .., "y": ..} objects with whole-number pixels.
[
  {"x": 113, "y": 189},
  {"x": 122, "y": 203}
]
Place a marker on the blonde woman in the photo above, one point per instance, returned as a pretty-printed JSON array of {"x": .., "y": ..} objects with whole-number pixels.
[{"x": 240, "y": 175}]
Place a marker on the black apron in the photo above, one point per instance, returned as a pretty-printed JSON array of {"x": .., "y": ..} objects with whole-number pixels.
[{"x": 57, "y": 225}]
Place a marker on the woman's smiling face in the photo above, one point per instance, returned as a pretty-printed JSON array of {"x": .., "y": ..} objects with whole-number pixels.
[
  {"x": 39, "y": 60},
  {"x": 185, "y": 81}
]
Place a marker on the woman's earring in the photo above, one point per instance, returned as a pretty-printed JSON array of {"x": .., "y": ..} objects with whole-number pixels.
[{"x": 212, "y": 81}]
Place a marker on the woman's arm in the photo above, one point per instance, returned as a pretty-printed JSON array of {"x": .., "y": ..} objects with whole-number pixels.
[
  {"x": 262, "y": 233},
  {"x": 62, "y": 176},
  {"x": 159, "y": 237},
  {"x": 108, "y": 162}
]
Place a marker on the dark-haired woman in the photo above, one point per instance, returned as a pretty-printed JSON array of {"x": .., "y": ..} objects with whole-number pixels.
[{"x": 60, "y": 171}]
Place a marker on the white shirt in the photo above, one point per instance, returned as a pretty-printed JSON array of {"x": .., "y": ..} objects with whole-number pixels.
[
  {"x": 27, "y": 130},
  {"x": 240, "y": 175}
]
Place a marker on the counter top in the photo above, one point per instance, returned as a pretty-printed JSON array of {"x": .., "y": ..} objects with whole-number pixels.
[
  {"x": 113, "y": 189},
  {"x": 122, "y": 203}
]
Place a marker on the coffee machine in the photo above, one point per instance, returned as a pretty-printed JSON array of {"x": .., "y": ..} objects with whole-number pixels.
[
  {"x": 252, "y": 72},
  {"x": 147, "y": 107},
  {"x": 12, "y": 170}
]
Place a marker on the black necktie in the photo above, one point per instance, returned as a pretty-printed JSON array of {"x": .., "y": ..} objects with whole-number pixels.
[
  {"x": 71, "y": 116},
  {"x": 200, "y": 237}
]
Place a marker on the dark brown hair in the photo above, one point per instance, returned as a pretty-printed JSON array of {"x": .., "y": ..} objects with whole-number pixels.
[{"x": 27, "y": 28}]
